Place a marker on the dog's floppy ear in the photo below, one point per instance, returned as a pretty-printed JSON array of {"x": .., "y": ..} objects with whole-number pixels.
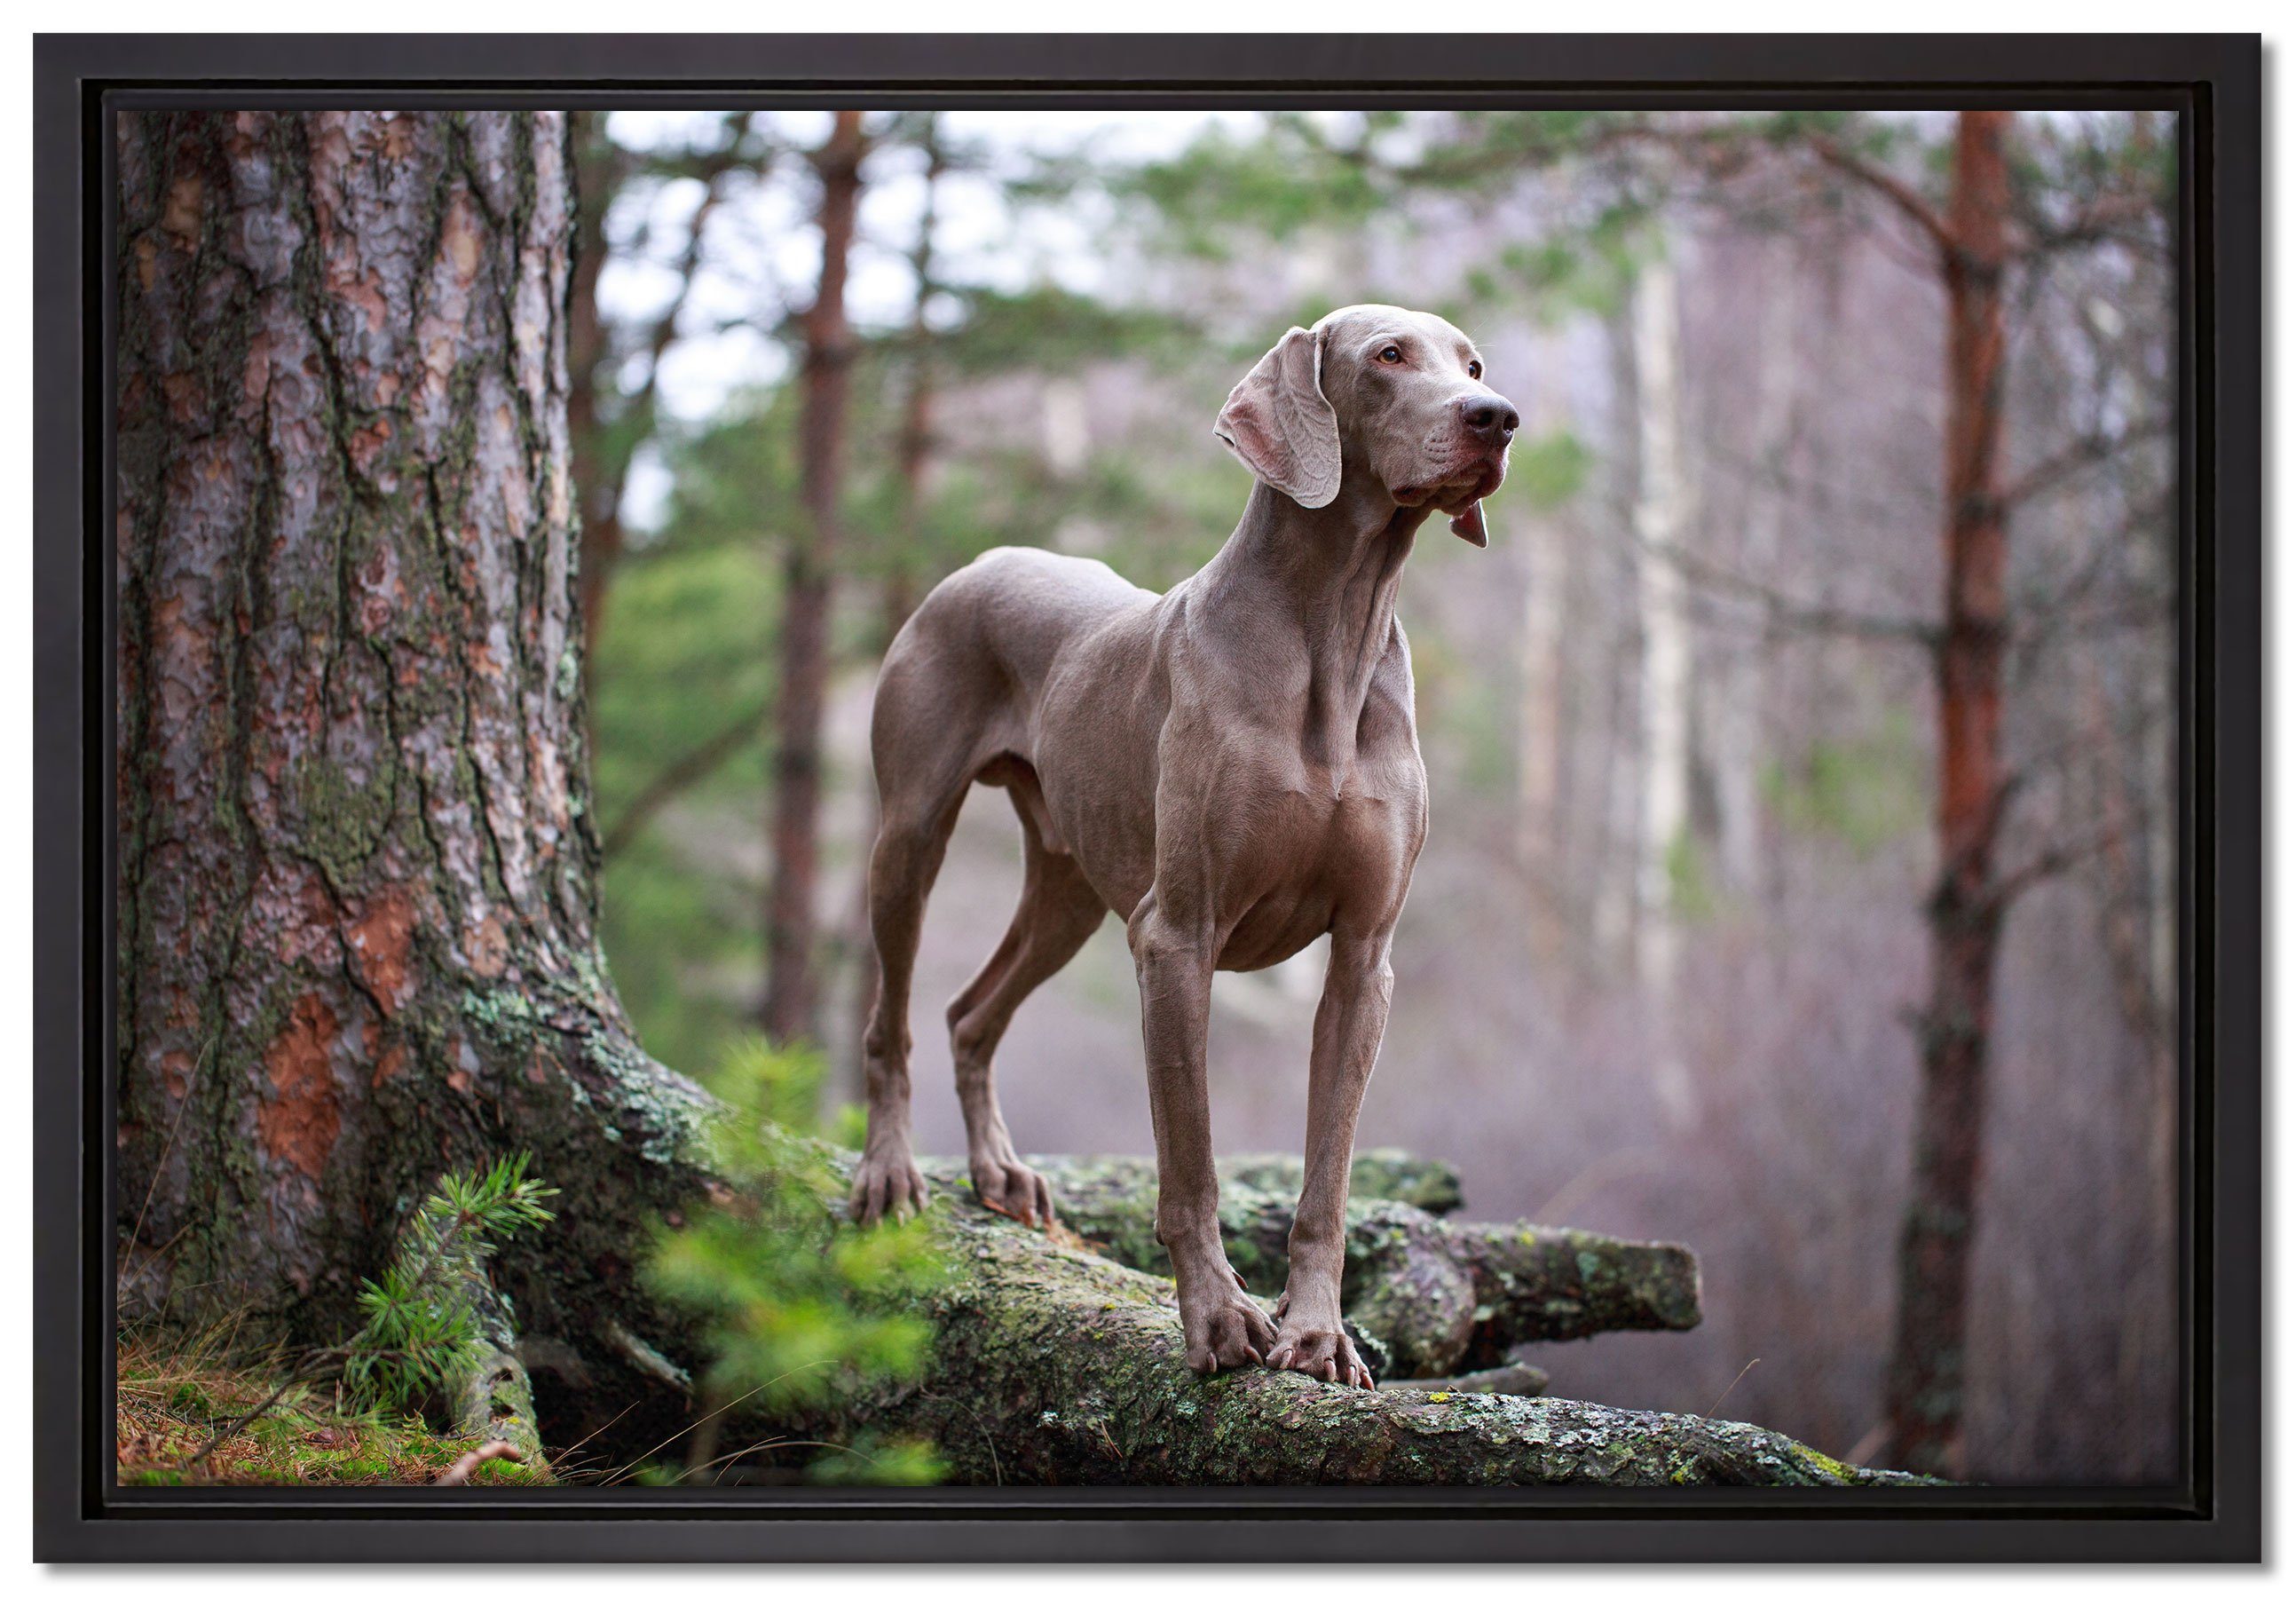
[{"x": 1279, "y": 423}]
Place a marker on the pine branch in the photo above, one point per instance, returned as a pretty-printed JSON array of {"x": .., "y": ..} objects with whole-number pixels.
[
  {"x": 2050, "y": 863},
  {"x": 678, "y": 776},
  {"x": 2088, "y": 451},
  {"x": 1909, "y": 200}
]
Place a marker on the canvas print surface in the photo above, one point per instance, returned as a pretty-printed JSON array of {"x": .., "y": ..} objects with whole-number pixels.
[{"x": 1147, "y": 797}]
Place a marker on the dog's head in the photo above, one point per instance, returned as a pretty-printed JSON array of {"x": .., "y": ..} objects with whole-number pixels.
[{"x": 1395, "y": 396}]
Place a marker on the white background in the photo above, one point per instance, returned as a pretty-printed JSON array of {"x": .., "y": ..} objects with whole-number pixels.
[{"x": 18, "y": 1461}]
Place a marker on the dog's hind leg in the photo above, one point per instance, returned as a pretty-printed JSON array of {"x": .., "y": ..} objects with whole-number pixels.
[
  {"x": 911, "y": 838},
  {"x": 1057, "y": 913}
]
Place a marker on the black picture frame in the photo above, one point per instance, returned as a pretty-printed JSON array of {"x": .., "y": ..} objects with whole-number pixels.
[{"x": 2214, "y": 81}]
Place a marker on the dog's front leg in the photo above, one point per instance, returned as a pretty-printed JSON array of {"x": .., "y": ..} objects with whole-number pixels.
[
  {"x": 1350, "y": 1022},
  {"x": 1222, "y": 1325}
]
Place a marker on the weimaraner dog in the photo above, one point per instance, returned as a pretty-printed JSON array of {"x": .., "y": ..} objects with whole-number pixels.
[{"x": 1233, "y": 768}]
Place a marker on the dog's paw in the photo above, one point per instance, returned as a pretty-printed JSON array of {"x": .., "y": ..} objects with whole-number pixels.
[
  {"x": 1325, "y": 1352},
  {"x": 887, "y": 1185},
  {"x": 1223, "y": 1329},
  {"x": 1012, "y": 1189}
]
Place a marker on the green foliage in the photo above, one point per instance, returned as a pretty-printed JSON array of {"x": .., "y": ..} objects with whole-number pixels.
[
  {"x": 875, "y": 1461},
  {"x": 1865, "y": 791},
  {"x": 419, "y": 1334},
  {"x": 1045, "y": 328},
  {"x": 681, "y": 937},
  {"x": 2065, "y": 170},
  {"x": 1583, "y": 270},
  {"x": 1690, "y": 884},
  {"x": 795, "y": 1307},
  {"x": 1548, "y": 470},
  {"x": 683, "y": 660},
  {"x": 1228, "y": 187}
]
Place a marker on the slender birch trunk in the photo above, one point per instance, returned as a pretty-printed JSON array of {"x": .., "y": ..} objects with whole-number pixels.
[
  {"x": 1539, "y": 814},
  {"x": 1739, "y": 677},
  {"x": 1661, "y": 519}
]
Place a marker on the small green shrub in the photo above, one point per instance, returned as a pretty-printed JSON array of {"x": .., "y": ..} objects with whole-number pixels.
[{"x": 796, "y": 1306}]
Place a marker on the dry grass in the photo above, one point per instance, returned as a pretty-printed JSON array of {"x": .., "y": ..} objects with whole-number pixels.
[{"x": 174, "y": 1396}]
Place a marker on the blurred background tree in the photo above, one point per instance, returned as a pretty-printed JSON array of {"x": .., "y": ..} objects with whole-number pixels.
[{"x": 1821, "y": 676}]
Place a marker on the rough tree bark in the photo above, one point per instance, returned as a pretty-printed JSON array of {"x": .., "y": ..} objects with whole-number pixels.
[
  {"x": 809, "y": 571},
  {"x": 355, "y": 905},
  {"x": 598, "y": 169},
  {"x": 355, "y": 915}
]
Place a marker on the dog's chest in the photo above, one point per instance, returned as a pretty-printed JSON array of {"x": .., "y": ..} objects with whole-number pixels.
[{"x": 1327, "y": 845}]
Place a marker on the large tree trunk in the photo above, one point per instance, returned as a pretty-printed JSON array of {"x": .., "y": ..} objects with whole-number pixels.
[
  {"x": 597, "y": 491},
  {"x": 355, "y": 899},
  {"x": 1927, "y": 1369},
  {"x": 806, "y": 590}
]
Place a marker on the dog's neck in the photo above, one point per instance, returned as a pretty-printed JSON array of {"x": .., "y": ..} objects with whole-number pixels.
[{"x": 1330, "y": 575}]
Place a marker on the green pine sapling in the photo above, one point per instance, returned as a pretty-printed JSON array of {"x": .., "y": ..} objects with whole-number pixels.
[{"x": 420, "y": 1333}]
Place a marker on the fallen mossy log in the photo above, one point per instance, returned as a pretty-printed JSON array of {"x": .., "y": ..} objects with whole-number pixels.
[
  {"x": 1433, "y": 1185},
  {"x": 1053, "y": 1362},
  {"x": 1441, "y": 1296},
  {"x": 1524, "y": 1381}
]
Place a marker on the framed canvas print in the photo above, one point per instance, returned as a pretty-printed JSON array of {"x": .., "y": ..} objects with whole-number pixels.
[{"x": 1694, "y": 602}]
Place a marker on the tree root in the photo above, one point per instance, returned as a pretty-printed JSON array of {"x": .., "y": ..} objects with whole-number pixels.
[{"x": 493, "y": 1398}]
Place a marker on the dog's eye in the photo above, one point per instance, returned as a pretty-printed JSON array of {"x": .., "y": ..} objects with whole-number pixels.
[
  {"x": 1392, "y": 356},
  {"x": 1475, "y": 370}
]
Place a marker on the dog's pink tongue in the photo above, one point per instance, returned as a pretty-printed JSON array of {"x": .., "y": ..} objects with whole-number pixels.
[{"x": 1469, "y": 525}]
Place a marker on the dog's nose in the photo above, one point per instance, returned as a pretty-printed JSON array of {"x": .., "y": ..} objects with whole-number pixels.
[{"x": 1490, "y": 419}]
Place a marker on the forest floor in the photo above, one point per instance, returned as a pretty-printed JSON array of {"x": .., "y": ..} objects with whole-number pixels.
[{"x": 172, "y": 1399}]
